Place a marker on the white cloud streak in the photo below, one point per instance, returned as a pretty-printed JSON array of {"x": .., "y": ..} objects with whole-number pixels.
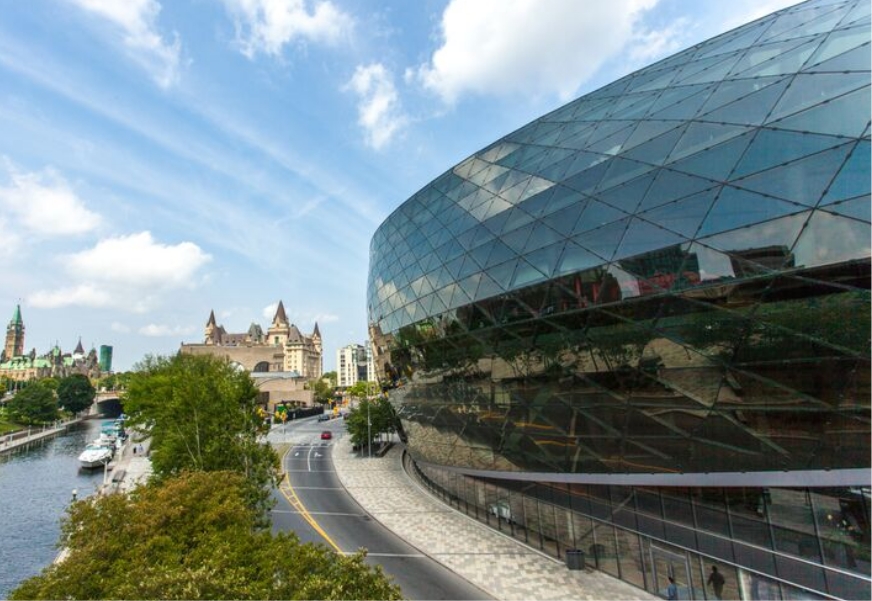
[
  {"x": 379, "y": 111},
  {"x": 131, "y": 273},
  {"x": 136, "y": 20},
  {"x": 527, "y": 47},
  {"x": 44, "y": 204},
  {"x": 266, "y": 26}
]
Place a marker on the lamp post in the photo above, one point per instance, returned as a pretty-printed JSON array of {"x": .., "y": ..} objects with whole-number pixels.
[{"x": 368, "y": 430}]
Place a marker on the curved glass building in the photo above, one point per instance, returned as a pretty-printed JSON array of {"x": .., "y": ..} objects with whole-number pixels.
[{"x": 639, "y": 326}]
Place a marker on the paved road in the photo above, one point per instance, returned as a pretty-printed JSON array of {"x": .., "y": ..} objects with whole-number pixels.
[{"x": 313, "y": 503}]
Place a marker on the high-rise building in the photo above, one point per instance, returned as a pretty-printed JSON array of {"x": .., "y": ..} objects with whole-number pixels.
[
  {"x": 105, "y": 358},
  {"x": 352, "y": 365},
  {"x": 639, "y": 325}
]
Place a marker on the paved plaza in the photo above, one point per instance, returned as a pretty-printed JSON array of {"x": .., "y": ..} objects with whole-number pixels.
[{"x": 496, "y": 563}]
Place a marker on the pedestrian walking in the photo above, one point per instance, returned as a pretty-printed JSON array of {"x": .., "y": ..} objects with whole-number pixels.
[
  {"x": 672, "y": 590},
  {"x": 716, "y": 581}
]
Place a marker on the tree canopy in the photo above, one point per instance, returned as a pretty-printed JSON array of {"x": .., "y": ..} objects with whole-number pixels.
[
  {"x": 189, "y": 538},
  {"x": 75, "y": 393},
  {"x": 201, "y": 415},
  {"x": 35, "y": 404},
  {"x": 381, "y": 415}
]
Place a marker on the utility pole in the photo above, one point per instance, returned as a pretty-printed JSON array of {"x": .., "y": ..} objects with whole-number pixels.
[{"x": 368, "y": 429}]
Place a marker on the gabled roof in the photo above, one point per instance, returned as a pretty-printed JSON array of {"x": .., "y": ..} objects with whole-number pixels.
[
  {"x": 80, "y": 350},
  {"x": 316, "y": 331},
  {"x": 211, "y": 321}
]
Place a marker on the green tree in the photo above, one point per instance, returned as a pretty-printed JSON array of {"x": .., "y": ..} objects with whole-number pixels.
[
  {"x": 201, "y": 415},
  {"x": 34, "y": 404},
  {"x": 322, "y": 390},
  {"x": 75, "y": 393},
  {"x": 192, "y": 539},
  {"x": 331, "y": 377},
  {"x": 369, "y": 420}
]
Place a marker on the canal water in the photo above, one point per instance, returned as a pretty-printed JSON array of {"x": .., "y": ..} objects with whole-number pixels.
[{"x": 36, "y": 485}]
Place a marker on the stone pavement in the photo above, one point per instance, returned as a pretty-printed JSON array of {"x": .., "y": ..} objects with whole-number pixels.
[{"x": 498, "y": 564}]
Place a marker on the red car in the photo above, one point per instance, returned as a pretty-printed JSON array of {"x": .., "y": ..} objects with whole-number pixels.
[{"x": 326, "y": 435}]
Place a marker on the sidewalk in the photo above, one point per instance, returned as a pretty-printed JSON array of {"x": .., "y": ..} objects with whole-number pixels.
[{"x": 496, "y": 563}]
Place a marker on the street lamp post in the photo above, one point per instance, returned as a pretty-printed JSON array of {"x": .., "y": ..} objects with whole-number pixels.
[{"x": 368, "y": 429}]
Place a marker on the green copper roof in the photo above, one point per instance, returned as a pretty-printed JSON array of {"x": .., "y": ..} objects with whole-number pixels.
[{"x": 16, "y": 316}]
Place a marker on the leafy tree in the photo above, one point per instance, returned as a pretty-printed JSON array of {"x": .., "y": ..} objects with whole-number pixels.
[
  {"x": 381, "y": 415},
  {"x": 201, "y": 415},
  {"x": 75, "y": 393},
  {"x": 35, "y": 404},
  {"x": 51, "y": 383},
  {"x": 322, "y": 390},
  {"x": 191, "y": 539},
  {"x": 331, "y": 377}
]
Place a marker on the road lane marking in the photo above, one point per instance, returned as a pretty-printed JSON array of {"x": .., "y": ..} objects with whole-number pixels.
[{"x": 291, "y": 496}]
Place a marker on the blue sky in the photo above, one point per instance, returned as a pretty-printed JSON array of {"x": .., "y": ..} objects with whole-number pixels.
[{"x": 160, "y": 159}]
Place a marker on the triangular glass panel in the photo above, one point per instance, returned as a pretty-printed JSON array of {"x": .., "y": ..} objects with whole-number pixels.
[
  {"x": 562, "y": 197},
  {"x": 702, "y": 136},
  {"x": 603, "y": 241},
  {"x": 801, "y": 181},
  {"x": 750, "y": 110},
  {"x": 545, "y": 259},
  {"x": 647, "y": 130},
  {"x": 662, "y": 269},
  {"x": 780, "y": 58},
  {"x": 595, "y": 215},
  {"x": 502, "y": 274},
  {"x": 802, "y": 23},
  {"x": 671, "y": 185},
  {"x": 774, "y": 147},
  {"x": 736, "y": 40},
  {"x": 587, "y": 180},
  {"x": 497, "y": 151},
  {"x": 606, "y": 129},
  {"x": 517, "y": 218},
  {"x": 564, "y": 221},
  {"x": 686, "y": 109},
  {"x": 526, "y": 274},
  {"x": 576, "y": 259},
  {"x": 809, "y": 89},
  {"x": 487, "y": 288},
  {"x": 517, "y": 239},
  {"x": 715, "y": 70},
  {"x": 847, "y": 115},
  {"x": 684, "y": 216},
  {"x": 542, "y": 235},
  {"x": 853, "y": 179},
  {"x": 553, "y": 157},
  {"x": 454, "y": 267},
  {"x": 758, "y": 249},
  {"x": 627, "y": 196},
  {"x": 469, "y": 285},
  {"x": 736, "y": 208},
  {"x": 858, "y": 208},
  {"x": 672, "y": 96},
  {"x": 482, "y": 252},
  {"x": 840, "y": 42},
  {"x": 500, "y": 254},
  {"x": 622, "y": 170},
  {"x": 717, "y": 162},
  {"x": 830, "y": 239},
  {"x": 643, "y": 237},
  {"x": 655, "y": 151},
  {"x": 613, "y": 144}
]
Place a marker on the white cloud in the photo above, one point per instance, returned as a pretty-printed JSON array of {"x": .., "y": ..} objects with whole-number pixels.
[
  {"x": 139, "y": 261},
  {"x": 161, "y": 330},
  {"x": 133, "y": 273},
  {"x": 137, "y": 22},
  {"x": 270, "y": 311},
  {"x": 267, "y": 25},
  {"x": 379, "y": 112},
  {"x": 44, "y": 204},
  {"x": 527, "y": 47}
]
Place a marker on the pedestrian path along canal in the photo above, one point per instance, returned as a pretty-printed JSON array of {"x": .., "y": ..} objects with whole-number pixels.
[{"x": 36, "y": 485}]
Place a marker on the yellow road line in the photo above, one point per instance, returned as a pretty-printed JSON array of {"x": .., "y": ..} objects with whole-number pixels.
[{"x": 291, "y": 496}]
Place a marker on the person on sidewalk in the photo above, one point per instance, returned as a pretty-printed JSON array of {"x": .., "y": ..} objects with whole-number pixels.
[
  {"x": 716, "y": 581},
  {"x": 672, "y": 590}
]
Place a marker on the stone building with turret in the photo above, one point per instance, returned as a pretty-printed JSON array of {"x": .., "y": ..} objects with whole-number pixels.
[
  {"x": 282, "y": 348},
  {"x": 19, "y": 366}
]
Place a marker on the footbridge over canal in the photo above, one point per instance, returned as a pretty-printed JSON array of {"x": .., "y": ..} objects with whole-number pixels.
[{"x": 107, "y": 403}]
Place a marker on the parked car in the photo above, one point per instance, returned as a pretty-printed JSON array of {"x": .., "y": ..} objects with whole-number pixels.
[
  {"x": 326, "y": 435},
  {"x": 324, "y": 417}
]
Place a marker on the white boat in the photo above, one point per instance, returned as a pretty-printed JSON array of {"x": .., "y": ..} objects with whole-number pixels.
[{"x": 95, "y": 455}]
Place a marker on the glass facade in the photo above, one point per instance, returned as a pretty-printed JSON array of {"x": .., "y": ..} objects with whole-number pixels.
[{"x": 649, "y": 311}]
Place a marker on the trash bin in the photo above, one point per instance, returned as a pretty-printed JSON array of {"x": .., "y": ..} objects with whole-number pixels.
[{"x": 575, "y": 559}]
